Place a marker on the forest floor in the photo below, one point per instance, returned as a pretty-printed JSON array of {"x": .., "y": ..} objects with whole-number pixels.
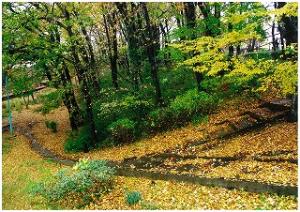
[
  {"x": 22, "y": 167},
  {"x": 277, "y": 140}
]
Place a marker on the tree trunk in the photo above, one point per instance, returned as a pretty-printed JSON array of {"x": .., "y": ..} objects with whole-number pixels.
[
  {"x": 69, "y": 96},
  {"x": 274, "y": 41},
  {"x": 132, "y": 40},
  {"x": 112, "y": 51},
  {"x": 231, "y": 48},
  {"x": 290, "y": 27},
  {"x": 115, "y": 53},
  {"x": 152, "y": 55},
  {"x": 70, "y": 100},
  {"x": 81, "y": 73},
  {"x": 190, "y": 16},
  {"x": 238, "y": 50},
  {"x": 91, "y": 60}
]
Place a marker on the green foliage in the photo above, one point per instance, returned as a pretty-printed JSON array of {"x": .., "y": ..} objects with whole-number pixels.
[
  {"x": 51, "y": 101},
  {"x": 78, "y": 184},
  {"x": 192, "y": 102},
  {"x": 192, "y": 105},
  {"x": 161, "y": 119},
  {"x": 122, "y": 130},
  {"x": 259, "y": 55},
  {"x": 176, "y": 81},
  {"x": 197, "y": 119},
  {"x": 78, "y": 142},
  {"x": 171, "y": 54},
  {"x": 133, "y": 197},
  {"x": 51, "y": 125},
  {"x": 128, "y": 108}
]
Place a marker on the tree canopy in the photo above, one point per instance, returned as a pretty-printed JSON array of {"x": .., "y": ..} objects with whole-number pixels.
[{"x": 147, "y": 58}]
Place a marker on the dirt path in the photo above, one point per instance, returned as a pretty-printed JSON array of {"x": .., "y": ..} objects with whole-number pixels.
[{"x": 143, "y": 167}]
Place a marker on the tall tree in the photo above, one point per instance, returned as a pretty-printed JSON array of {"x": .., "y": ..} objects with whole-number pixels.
[
  {"x": 112, "y": 46},
  {"x": 151, "y": 51},
  {"x": 81, "y": 72}
]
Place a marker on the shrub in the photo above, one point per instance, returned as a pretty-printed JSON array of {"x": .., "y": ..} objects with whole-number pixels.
[
  {"x": 133, "y": 197},
  {"x": 78, "y": 184},
  {"x": 161, "y": 119},
  {"x": 197, "y": 119},
  {"x": 52, "y": 125},
  {"x": 192, "y": 102},
  {"x": 122, "y": 130},
  {"x": 50, "y": 101},
  {"x": 129, "y": 108},
  {"x": 79, "y": 142}
]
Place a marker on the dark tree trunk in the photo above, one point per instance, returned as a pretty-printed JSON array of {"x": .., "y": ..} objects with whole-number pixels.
[
  {"x": 112, "y": 50},
  {"x": 81, "y": 73},
  {"x": 132, "y": 40},
  {"x": 164, "y": 34},
  {"x": 231, "y": 48},
  {"x": 152, "y": 55},
  {"x": 70, "y": 100},
  {"x": 92, "y": 61},
  {"x": 167, "y": 30},
  {"x": 238, "y": 49},
  {"x": 294, "y": 109},
  {"x": 274, "y": 41},
  {"x": 69, "y": 96},
  {"x": 190, "y": 16},
  {"x": 290, "y": 26},
  {"x": 115, "y": 53}
]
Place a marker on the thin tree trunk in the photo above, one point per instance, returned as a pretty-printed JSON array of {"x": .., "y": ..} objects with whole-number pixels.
[
  {"x": 81, "y": 73},
  {"x": 69, "y": 96},
  {"x": 190, "y": 16},
  {"x": 70, "y": 100},
  {"x": 274, "y": 43},
  {"x": 92, "y": 61},
  {"x": 152, "y": 55},
  {"x": 133, "y": 44},
  {"x": 112, "y": 51}
]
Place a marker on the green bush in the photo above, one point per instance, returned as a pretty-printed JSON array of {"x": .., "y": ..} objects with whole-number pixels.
[
  {"x": 50, "y": 101},
  {"x": 133, "y": 197},
  {"x": 122, "y": 131},
  {"x": 78, "y": 184},
  {"x": 262, "y": 54},
  {"x": 161, "y": 119},
  {"x": 52, "y": 125},
  {"x": 129, "y": 108},
  {"x": 78, "y": 142},
  {"x": 193, "y": 102}
]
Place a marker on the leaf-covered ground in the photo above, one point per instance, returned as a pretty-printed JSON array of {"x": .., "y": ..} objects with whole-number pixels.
[
  {"x": 21, "y": 168},
  {"x": 278, "y": 141},
  {"x": 152, "y": 144},
  {"x": 170, "y": 195}
]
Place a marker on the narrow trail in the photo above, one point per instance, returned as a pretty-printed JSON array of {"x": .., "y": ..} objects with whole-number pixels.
[{"x": 140, "y": 167}]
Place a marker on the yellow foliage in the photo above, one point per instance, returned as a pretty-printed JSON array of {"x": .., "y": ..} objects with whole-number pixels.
[
  {"x": 285, "y": 77},
  {"x": 290, "y": 9}
]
